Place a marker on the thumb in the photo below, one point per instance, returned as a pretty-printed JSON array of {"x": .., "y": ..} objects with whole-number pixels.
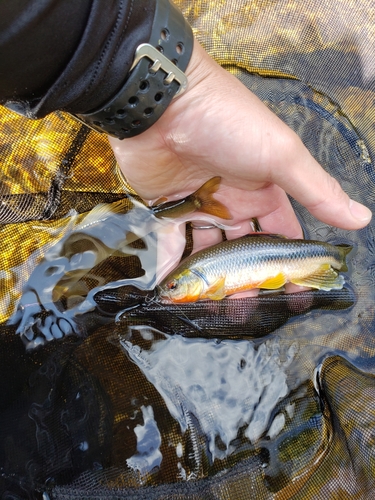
[{"x": 307, "y": 182}]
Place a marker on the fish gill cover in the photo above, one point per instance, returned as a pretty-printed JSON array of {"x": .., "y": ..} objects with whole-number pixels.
[{"x": 106, "y": 393}]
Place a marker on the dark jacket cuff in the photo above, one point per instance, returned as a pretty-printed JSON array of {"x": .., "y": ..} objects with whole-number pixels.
[{"x": 68, "y": 55}]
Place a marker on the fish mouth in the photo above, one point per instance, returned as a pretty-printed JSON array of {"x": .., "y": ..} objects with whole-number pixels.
[
  {"x": 166, "y": 299},
  {"x": 161, "y": 295}
]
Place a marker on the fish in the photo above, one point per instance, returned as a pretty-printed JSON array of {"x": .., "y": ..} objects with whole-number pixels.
[
  {"x": 199, "y": 201},
  {"x": 255, "y": 261}
]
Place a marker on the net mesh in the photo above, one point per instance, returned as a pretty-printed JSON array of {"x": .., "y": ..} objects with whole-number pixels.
[{"x": 108, "y": 394}]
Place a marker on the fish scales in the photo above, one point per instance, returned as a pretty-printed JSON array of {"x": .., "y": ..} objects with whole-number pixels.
[
  {"x": 255, "y": 262},
  {"x": 201, "y": 200},
  {"x": 244, "y": 261}
]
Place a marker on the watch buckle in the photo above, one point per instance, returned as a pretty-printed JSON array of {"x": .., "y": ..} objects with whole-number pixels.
[{"x": 160, "y": 61}]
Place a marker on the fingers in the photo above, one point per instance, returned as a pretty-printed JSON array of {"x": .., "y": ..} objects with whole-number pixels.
[
  {"x": 283, "y": 219},
  {"x": 277, "y": 217},
  {"x": 239, "y": 230},
  {"x": 270, "y": 205},
  {"x": 170, "y": 246},
  {"x": 321, "y": 194},
  {"x": 205, "y": 238}
]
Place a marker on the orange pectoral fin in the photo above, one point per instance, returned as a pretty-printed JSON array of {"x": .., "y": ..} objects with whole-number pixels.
[
  {"x": 217, "y": 290},
  {"x": 159, "y": 201},
  {"x": 273, "y": 283}
]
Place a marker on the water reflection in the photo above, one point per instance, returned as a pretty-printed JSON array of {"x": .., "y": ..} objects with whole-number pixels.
[
  {"x": 106, "y": 231},
  {"x": 225, "y": 386}
]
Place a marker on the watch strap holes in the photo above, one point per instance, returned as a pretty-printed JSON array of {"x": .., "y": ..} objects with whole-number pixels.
[
  {"x": 164, "y": 34},
  {"x": 180, "y": 48},
  {"x": 120, "y": 113},
  {"x": 148, "y": 112},
  {"x": 133, "y": 101},
  {"x": 144, "y": 86}
]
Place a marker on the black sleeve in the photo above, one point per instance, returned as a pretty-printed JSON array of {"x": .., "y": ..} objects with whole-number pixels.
[{"x": 71, "y": 55}]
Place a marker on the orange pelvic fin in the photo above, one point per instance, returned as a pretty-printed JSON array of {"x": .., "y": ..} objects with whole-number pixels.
[
  {"x": 206, "y": 203},
  {"x": 325, "y": 278},
  {"x": 273, "y": 283}
]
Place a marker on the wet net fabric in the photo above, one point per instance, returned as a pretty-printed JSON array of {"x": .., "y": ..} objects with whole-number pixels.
[{"x": 105, "y": 394}]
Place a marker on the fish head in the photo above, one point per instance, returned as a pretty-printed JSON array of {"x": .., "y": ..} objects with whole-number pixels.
[{"x": 184, "y": 286}]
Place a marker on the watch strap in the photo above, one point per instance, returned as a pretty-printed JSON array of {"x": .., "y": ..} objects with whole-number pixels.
[{"x": 156, "y": 76}]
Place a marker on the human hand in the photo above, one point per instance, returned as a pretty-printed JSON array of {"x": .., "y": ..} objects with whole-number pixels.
[{"x": 218, "y": 127}]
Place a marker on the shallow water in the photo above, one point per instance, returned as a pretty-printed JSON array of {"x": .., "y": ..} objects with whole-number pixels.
[
  {"x": 179, "y": 399},
  {"x": 102, "y": 233},
  {"x": 226, "y": 386}
]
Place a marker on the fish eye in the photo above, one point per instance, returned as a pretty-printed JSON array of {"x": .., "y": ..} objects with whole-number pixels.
[{"x": 172, "y": 285}]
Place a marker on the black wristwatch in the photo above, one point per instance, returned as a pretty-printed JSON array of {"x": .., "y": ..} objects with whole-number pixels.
[{"x": 156, "y": 76}]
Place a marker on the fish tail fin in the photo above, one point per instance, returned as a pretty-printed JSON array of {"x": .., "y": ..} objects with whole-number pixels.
[
  {"x": 101, "y": 212},
  {"x": 207, "y": 203},
  {"x": 324, "y": 278},
  {"x": 344, "y": 250}
]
